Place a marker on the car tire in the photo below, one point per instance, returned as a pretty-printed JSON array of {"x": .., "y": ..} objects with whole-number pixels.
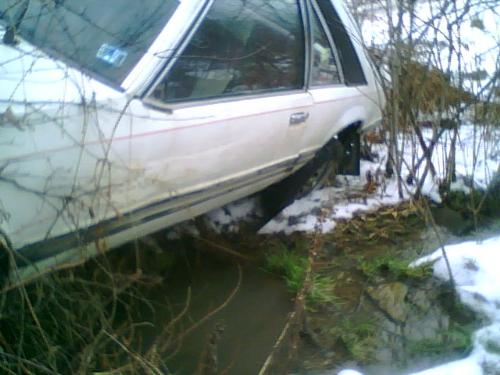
[
  {"x": 341, "y": 155},
  {"x": 313, "y": 175}
]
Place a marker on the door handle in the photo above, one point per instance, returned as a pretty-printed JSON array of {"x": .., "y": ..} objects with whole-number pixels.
[{"x": 298, "y": 118}]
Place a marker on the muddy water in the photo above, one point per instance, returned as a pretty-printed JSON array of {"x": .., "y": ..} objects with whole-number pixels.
[
  {"x": 237, "y": 338},
  {"x": 236, "y": 335}
]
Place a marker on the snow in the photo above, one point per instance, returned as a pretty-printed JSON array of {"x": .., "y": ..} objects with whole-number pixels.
[
  {"x": 462, "y": 367},
  {"x": 349, "y": 196},
  {"x": 476, "y": 273},
  {"x": 474, "y": 266},
  {"x": 227, "y": 218},
  {"x": 477, "y": 160},
  {"x": 349, "y": 372},
  {"x": 330, "y": 204},
  {"x": 480, "y": 47},
  {"x": 220, "y": 220},
  {"x": 481, "y": 361}
]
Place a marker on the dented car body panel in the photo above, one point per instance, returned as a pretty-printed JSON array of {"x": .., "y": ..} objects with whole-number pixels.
[{"x": 87, "y": 164}]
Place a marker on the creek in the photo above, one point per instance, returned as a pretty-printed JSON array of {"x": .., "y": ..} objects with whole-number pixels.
[{"x": 383, "y": 320}]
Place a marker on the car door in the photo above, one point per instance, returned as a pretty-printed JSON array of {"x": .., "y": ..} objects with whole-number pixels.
[{"x": 229, "y": 112}]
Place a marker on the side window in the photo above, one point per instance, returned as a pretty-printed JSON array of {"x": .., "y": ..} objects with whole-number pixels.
[
  {"x": 351, "y": 67},
  {"x": 324, "y": 68},
  {"x": 241, "y": 47}
]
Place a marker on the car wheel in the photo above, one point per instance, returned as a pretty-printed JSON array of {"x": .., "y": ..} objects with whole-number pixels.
[
  {"x": 320, "y": 171},
  {"x": 341, "y": 155},
  {"x": 317, "y": 173}
]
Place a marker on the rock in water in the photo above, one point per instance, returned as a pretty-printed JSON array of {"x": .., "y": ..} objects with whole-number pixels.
[{"x": 390, "y": 298}]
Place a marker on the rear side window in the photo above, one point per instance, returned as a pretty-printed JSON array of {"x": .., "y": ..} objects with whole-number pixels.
[
  {"x": 241, "y": 47},
  {"x": 324, "y": 69},
  {"x": 351, "y": 67}
]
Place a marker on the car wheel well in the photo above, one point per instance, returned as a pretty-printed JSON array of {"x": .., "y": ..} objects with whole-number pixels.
[{"x": 349, "y": 149}]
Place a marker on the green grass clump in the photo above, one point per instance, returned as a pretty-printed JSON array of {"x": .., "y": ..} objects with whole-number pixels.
[
  {"x": 358, "y": 338},
  {"x": 288, "y": 263},
  {"x": 455, "y": 339},
  {"x": 292, "y": 266},
  {"x": 322, "y": 291},
  {"x": 392, "y": 267}
]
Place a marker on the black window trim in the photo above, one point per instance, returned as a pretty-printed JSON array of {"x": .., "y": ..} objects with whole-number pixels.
[
  {"x": 304, "y": 11},
  {"x": 184, "y": 40},
  {"x": 313, "y": 7},
  {"x": 355, "y": 75},
  {"x": 181, "y": 45},
  {"x": 171, "y": 107}
]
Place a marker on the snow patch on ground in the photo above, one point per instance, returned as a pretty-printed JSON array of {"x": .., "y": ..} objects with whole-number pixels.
[
  {"x": 477, "y": 160},
  {"x": 221, "y": 220},
  {"x": 475, "y": 271},
  {"x": 349, "y": 372},
  {"x": 341, "y": 202},
  {"x": 227, "y": 218}
]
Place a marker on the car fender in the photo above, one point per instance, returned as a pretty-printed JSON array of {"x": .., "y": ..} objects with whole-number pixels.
[{"x": 353, "y": 115}]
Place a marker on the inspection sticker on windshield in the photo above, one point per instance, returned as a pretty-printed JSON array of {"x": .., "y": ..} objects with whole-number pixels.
[{"x": 111, "y": 55}]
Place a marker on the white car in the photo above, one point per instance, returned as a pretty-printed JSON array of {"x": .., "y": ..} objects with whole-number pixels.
[{"x": 120, "y": 118}]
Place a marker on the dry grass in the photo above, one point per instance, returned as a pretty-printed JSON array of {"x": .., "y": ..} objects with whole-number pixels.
[{"x": 109, "y": 316}]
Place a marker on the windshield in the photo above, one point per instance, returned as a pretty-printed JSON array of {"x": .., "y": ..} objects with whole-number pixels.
[{"x": 103, "y": 37}]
